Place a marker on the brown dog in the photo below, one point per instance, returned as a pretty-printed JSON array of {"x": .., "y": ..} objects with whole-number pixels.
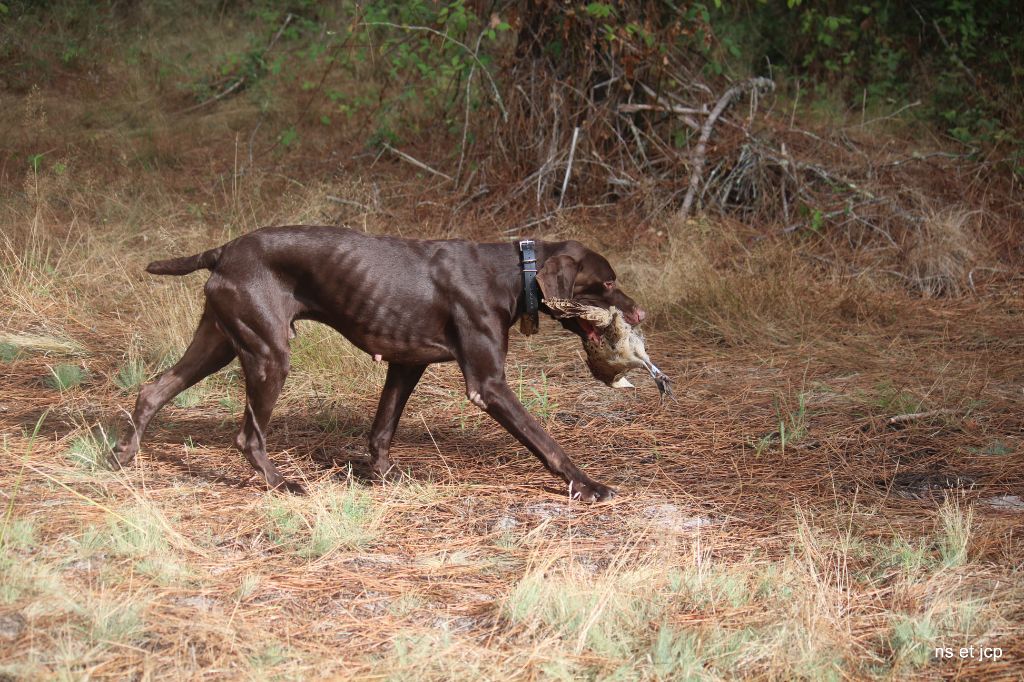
[{"x": 410, "y": 302}]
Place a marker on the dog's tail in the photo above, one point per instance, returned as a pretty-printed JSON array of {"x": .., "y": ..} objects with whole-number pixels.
[{"x": 186, "y": 264}]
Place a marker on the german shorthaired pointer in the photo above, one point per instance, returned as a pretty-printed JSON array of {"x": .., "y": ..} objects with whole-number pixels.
[{"x": 409, "y": 302}]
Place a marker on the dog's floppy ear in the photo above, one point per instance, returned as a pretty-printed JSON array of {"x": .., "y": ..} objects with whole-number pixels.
[{"x": 557, "y": 276}]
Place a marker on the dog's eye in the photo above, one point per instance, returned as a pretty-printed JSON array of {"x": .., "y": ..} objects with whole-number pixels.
[{"x": 609, "y": 285}]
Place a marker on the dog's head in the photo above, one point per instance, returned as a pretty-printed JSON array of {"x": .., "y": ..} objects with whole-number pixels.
[{"x": 576, "y": 273}]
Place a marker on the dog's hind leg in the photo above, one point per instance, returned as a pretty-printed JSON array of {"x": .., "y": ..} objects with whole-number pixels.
[
  {"x": 265, "y": 371},
  {"x": 209, "y": 351},
  {"x": 259, "y": 331}
]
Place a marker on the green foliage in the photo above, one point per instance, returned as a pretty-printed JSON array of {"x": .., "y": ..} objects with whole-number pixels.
[
  {"x": 961, "y": 59},
  {"x": 418, "y": 63},
  {"x": 414, "y": 58},
  {"x": 42, "y": 34},
  {"x": 537, "y": 400}
]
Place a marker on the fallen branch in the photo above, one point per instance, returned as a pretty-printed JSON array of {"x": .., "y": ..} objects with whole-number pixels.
[
  {"x": 894, "y": 114},
  {"x": 700, "y": 151},
  {"x": 682, "y": 112},
  {"x": 685, "y": 114}
]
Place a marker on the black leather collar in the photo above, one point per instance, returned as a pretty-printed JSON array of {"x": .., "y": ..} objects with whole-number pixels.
[{"x": 529, "y": 321}]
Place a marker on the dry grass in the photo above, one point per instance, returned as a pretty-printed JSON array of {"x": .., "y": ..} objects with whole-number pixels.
[
  {"x": 942, "y": 254},
  {"x": 771, "y": 524}
]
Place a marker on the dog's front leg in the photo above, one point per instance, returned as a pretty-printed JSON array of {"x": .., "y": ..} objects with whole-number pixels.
[
  {"x": 483, "y": 365},
  {"x": 398, "y": 386}
]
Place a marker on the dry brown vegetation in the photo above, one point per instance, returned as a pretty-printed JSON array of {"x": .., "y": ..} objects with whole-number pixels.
[{"x": 773, "y": 523}]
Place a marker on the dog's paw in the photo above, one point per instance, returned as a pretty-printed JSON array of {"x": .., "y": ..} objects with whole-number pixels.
[
  {"x": 293, "y": 487},
  {"x": 113, "y": 459},
  {"x": 384, "y": 470},
  {"x": 284, "y": 485},
  {"x": 590, "y": 491},
  {"x": 121, "y": 455}
]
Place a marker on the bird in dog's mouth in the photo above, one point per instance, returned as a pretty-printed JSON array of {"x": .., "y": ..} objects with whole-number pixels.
[{"x": 613, "y": 345}]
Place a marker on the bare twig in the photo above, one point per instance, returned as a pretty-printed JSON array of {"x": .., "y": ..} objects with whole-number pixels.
[
  {"x": 252, "y": 138},
  {"x": 550, "y": 215},
  {"x": 349, "y": 202},
  {"x": 470, "y": 199},
  {"x": 915, "y": 416},
  {"x": 894, "y": 114},
  {"x": 276, "y": 36},
  {"x": 952, "y": 53},
  {"x": 241, "y": 80},
  {"x": 416, "y": 162},
  {"x": 700, "y": 151},
  {"x": 465, "y": 122},
  {"x": 568, "y": 167},
  {"x": 916, "y": 156},
  {"x": 224, "y": 93},
  {"x": 682, "y": 112},
  {"x": 667, "y": 108}
]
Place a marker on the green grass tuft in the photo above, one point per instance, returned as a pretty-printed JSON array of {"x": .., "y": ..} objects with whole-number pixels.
[
  {"x": 131, "y": 375},
  {"x": 955, "y": 537},
  {"x": 9, "y": 352},
  {"x": 18, "y": 533},
  {"x": 110, "y": 620},
  {"x": 910, "y": 559},
  {"x": 267, "y": 657},
  {"x": 675, "y": 655},
  {"x": 65, "y": 376},
  {"x": 329, "y": 519},
  {"x": 190, "y": 397},
  {"x": 912, "y": 639},
  {"x": 711, "y": 586},
  {"x": 140, "y": 532},
  {"x": 248, "y": 586},
  {"x": 607, "y": 614},
  {"x": 91, "y": 450}
]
